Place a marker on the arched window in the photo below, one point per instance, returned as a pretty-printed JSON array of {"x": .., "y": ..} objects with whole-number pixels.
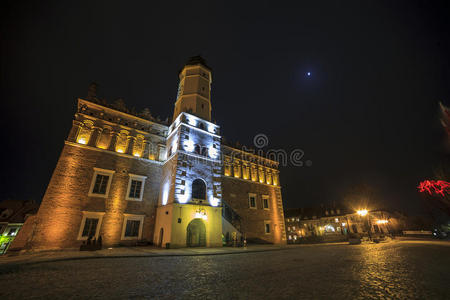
[
  {"x": 198, "y": 189},
  {"x": 197, "y": 149},
  {"x": 201, "y": 126},
  {"x": 204, "y": 151}
]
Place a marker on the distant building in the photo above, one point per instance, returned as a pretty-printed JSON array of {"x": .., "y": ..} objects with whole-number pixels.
[
  {"x": 131, "y": 178},
  {"x": 336, "y": 223},
  {"x": 13, "y": 214}
]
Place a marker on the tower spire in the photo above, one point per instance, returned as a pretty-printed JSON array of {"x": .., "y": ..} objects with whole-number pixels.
[{"x": 194, "y": 89}]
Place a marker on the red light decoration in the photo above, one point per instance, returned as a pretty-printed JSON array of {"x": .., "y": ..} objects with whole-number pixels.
[{"x": 438, "y": 187}]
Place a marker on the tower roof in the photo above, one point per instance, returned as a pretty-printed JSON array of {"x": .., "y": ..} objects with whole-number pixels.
[{"x": 197, "y": 60}]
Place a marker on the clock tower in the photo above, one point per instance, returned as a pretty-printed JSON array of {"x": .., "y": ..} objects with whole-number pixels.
[
  {"x": 194, "y": 89},
  {"x": 189, "y": 210}
]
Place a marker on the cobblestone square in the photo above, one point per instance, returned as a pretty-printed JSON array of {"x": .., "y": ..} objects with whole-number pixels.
[{"x": 397, "y": 270}]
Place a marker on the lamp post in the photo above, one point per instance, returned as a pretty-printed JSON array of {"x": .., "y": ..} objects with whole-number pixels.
[{"x": 363, "y": 213}]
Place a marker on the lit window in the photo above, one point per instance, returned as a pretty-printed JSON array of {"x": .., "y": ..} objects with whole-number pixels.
[
  {"x": 13, "y": 231},
  {"x": 101, "y": 183},
  {"x": 252, "y": 201}
]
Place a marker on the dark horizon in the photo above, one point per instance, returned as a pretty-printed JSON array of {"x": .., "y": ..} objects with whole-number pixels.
[{"x": 367, "y": 115}]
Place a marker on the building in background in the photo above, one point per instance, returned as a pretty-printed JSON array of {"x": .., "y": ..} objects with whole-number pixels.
[
  {"x": 333, "y": 223},
  {"x": 13, "y": 214},
  {"x": 129, "y": 178}
]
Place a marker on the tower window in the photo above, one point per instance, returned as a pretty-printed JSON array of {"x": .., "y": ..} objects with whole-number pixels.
[
  {"x": 201, "y": 125},
  {"x": 197, "y": 149},
  {"x": 198, "y": 189}
]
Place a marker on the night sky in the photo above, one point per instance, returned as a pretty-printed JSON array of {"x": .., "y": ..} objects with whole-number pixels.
[{"x": 367, "y": 115}]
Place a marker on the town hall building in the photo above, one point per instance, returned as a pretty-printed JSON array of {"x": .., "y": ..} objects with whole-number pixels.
[{"x": 128, "y": 178}]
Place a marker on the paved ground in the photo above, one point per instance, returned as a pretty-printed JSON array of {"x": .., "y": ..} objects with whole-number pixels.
[{"x": 399, "y": 269}]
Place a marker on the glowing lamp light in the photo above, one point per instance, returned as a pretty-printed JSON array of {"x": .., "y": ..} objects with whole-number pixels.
[
  {"x": 211, "y": 128},
  {"x": 201, "y": 214},
  {"x": 308, "y": 73},
  {"x": 165, "y": 194},
  {"x": 362, "y": 212},
  {"x": 82, "y": 141},
  {"x": 136, "y": 154},
  {"x": 189, "y": 146},
  {"x": 214, "y": 201},
  {"x": 382, "y": 221},
  {"x": 343, "y": 224},
  {"x": 212, "y": 152},
  {"x": 120, "y": 150},
  {"x": 192, "y": 121}
]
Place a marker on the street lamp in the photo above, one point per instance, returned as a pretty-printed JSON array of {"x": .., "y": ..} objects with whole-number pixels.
[{"x": 362, "y": 212}]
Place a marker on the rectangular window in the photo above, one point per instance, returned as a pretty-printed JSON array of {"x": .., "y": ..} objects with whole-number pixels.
[
  {"x": 101, "y": 182},
  {"x": 135, "y": 189},
  {"x": 132, "y": 229},
  {"x": 90, "y": 227},
  {"x": 266, "y": 202},
  {"x": 267, "y": 227},
  {"x": 252, "y": 201}
]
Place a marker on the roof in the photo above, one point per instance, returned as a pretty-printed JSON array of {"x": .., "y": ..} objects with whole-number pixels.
[{"x": 197, "y": 60}]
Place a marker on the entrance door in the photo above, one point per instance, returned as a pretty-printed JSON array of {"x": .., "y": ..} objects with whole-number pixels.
[
  {"x": 196, "y": 234},
  {"x": 161, "y": 235}
]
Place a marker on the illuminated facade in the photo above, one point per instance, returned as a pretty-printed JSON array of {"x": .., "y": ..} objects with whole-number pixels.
[
  {"x": 128, "y": 178},
  {"x": 336, "y": 224}
]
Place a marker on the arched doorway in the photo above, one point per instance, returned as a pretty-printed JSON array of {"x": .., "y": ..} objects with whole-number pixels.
[
  {"x": 196, "y": 234},
  {"x": 161, "y": 235}
]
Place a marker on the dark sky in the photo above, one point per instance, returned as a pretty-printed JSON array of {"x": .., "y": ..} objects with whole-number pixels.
[{"x": 368, "y": 114}]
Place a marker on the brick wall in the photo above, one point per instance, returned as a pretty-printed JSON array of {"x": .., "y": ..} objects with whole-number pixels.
[
  {"x": 60, "y": 214},
  {"x": 236, "y": 195}
]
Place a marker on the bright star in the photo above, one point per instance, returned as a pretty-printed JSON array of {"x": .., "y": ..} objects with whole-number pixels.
[{"x": 309, "y": 73}]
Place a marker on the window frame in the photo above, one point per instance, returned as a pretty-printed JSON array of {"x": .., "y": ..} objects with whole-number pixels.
[
  {"x": 249, "y": 201},
  {"x": 266, "y": 222},
  {"x": 104, "y": 172},
  {"x": 131, "y": 217},
  {"x": 90, "y": 215},
  {"x": 266, "y": 197},
  {"x": 135, "y": 177}
]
